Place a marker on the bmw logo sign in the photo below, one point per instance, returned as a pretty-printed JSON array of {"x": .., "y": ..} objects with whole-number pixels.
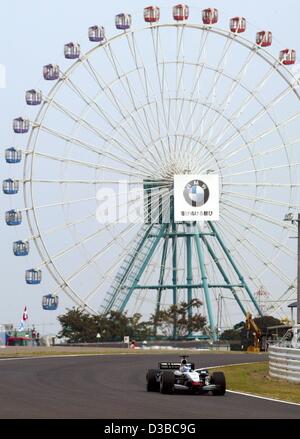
[{"x": 196, "y": 193}]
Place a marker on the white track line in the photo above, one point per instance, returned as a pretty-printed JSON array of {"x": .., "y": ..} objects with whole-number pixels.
[
  {"x": 251, "y": 394},
  {"x": 263, "y": 397}
]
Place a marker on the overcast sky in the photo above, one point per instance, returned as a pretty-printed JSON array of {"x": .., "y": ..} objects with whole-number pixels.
[{"x": 32, "y": 33}]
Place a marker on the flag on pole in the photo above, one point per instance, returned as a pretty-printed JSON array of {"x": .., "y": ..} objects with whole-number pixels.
[{"x": 25, "y": 315}]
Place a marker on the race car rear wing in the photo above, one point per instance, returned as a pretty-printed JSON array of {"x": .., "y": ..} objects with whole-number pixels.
[
  {"x": 171, "y": 365},
  {"x": 168, "y": 365}
]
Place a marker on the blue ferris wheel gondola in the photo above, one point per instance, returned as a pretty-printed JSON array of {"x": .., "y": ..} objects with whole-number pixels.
[
  {"x": 10, "y": 186},
  {"x": 50, "y": 302},
  {"x": 21, "y": 248},
  {"x": 13, "y": 155},
  {"x": 33, "y": 277},
  {"x": 13, "y": 217}
]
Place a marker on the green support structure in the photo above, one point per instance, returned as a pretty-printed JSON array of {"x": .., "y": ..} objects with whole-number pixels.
[
  {"x": 189, "y": 277},
  {"x": 161, "y": 275},
  {"x": 241, "y": 278},
  {"x": 205, "y": 287},
  {"x": 129, "y": 278},
  {"x": 223, "y": 273},
  {"x": 144, "y": 265}
]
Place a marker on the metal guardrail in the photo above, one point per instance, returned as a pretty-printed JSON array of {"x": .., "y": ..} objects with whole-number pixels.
[{"x": 284, "y": 363}]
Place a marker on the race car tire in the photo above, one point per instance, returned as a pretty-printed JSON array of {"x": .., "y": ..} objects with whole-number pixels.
[
  {"x": 152, "y": 384},
  {"x": 218, "y": 378},
  {"x": 167, "y": 381}
]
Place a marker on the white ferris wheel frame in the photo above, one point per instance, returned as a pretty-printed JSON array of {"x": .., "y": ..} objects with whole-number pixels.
[{"x": 37, "y": 125}]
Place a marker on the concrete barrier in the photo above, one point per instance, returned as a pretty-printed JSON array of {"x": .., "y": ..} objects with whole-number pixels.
[{"x": 284, "y": 363}]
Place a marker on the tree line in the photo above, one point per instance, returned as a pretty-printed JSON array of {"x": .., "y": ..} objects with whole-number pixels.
[{"x": 78, "y": 326}]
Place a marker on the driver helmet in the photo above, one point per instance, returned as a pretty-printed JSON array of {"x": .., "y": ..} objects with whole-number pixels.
[{"x": 184, "y": 366}]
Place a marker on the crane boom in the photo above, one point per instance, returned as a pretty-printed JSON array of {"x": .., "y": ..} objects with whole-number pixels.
[{"x": 252, "y": 326}]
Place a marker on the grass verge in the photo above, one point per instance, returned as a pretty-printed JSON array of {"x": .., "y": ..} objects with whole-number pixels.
[{"x": 254, "y": 379}]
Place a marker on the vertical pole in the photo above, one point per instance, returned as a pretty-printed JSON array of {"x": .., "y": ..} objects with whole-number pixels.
[
  {"x": 298, "y": 274},
  {"x": 174, "y": 275},
  {"x": 189, "y": 278},
  {"x": 174, "y": 262},
  {"x": 205, "y": 286}
]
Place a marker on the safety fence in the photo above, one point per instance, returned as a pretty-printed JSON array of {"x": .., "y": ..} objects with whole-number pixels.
[{"x": 284, "y": 363}]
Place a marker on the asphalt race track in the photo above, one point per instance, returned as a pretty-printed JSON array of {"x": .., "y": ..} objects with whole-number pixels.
[{"x": 114, "y": 387}]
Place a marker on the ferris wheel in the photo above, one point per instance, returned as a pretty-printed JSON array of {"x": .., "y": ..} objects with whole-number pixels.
[{"x": 139, "y": 107}]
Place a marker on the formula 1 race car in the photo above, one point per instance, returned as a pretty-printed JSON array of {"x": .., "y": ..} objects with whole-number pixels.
[{"x": 183, "y": 376}]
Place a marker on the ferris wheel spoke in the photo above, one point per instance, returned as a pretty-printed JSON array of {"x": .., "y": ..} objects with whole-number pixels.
[
  {"x": 59, "y": 203},
  {"x": 256, "y": 198},
  {"x": 246, "y": 268},
  {"x": 96, "y": 256},
  {"x": 212, "y": 90},
  {"x": 265, "y": 261},
  {"x": 261, "y": 136},
  {"x": 135, "y": 165},
  {"x": 199, "y": 67},
  {"x": 89, "y": 182},
  {"x": 162, "y": 81},
  {"x": 239, "y": 131},
  {"x": 193, "y": 141},
  {"x": 259, "y": 232},
  {"x": 266, "y": 218},
  {"x": 59, "y": 228},
  {"x": 144, "y": 81},
  {"x": 74, "y": 223},
  {"x": 288, "y": 295},
  {"x": 100, "y": 253},
  {"x": 85, "y": 124},
  {"x": 256, "y": 171},
  {"x": 106, "y": 275},
  {"x": 253, "y": 95},
  {"x": 276, "y": 100},
  {"x": 262, "y": 184},
  {"x": 94, "y": 234},
  {"x": 130, "y": 91},
  {"x": 85, "y": 239},
  {"x": 133, "y": 140},
  {"x": 91, "y": 103},
  {"x": 147, "y": 87},
  {"x": 228, "y": 142},
  {"x": 165, "y": 81},
  {"x": 83, "y": 163},
  {"x": 259, "y": 154}
]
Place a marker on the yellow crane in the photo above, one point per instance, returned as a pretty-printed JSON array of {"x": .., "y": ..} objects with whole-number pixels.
[{"x": 256, "y": 332}]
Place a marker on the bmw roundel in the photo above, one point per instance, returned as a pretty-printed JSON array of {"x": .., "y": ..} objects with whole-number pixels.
[{"x": 196, "y": 193}]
